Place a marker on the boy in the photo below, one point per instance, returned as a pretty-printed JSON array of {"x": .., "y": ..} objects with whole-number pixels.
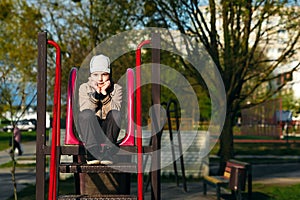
[{"x": 99, "y": 117}]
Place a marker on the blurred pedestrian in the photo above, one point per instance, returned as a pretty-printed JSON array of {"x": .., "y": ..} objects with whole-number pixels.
[{"x": 17, "y": 141}]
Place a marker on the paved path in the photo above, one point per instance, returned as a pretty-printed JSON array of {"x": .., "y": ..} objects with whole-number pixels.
[
  {"x": 24, "y": 176},
  {"x": 282, "y": 174}
]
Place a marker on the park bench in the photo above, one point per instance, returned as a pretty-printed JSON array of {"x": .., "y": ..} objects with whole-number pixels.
[{"x": 234, "y": 178}]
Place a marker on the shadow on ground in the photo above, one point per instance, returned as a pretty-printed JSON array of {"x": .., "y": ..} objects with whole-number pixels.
[
  {"x": 255, "y": 195},
  {"x": 260, "y": 196}
]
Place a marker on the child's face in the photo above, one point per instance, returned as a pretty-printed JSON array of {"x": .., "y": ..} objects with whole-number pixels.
[{"x": 100, "y": 77}]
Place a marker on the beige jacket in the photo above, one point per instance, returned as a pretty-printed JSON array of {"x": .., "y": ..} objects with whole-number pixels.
[{"x": 101, "y": 107}]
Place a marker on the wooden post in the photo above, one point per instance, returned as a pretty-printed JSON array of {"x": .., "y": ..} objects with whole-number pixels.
[
  {"x": 156, "y": 133},
  {"x": 41, "y": 115}
]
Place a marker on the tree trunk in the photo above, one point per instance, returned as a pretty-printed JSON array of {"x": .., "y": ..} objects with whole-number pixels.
[{"x": 226, "y": 144}]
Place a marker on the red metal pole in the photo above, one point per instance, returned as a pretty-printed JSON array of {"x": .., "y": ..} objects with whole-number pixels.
[
  {"x": 55, "y": 125},
  {"x": 139, "y": 119}
]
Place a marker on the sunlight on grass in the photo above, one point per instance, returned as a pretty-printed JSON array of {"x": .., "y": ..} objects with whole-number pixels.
[
  {"x": 276, "y": 192},
  {"x": 10, "y": 164}
]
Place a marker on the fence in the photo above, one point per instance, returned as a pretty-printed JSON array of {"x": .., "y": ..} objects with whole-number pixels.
[{"x": 266, "y": 120}]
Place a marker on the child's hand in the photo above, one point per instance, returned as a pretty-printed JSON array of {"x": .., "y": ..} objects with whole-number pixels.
[
  {"x": 94, "y": 84},
  {"x": 103, "y": 86}
]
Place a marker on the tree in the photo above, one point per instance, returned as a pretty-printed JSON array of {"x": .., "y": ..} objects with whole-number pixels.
[
  {"x": 18, "y": 54},
  {"x": 235, "y": 34},
  {"x": 19, "y": 24},
  {"x": 79, "y": 26}
]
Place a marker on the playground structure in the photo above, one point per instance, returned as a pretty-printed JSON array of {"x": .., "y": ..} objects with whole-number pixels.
[
  {"x": 131, "y": 143},
  {"x": 268, "y": 120}
]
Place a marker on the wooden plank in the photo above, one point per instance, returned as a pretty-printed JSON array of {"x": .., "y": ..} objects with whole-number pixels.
[
  {"x": 85, "y": 168},
  {"x": 94, "y": 197}
]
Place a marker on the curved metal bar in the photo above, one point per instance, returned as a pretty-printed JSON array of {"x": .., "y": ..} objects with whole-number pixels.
[
  {"x": 70, "y": 138},
  {"x": 175, "y": 110},
  {"x": 129, "y": 138},
  {"x": 55, "y": 124}
]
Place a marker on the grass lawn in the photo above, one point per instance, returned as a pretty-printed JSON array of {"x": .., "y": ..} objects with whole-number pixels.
[
  {"x": 6, "y": 137},
  {"x": 266, "y": 192}
]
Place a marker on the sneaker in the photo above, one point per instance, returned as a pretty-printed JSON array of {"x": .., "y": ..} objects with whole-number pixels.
[
  {"x": 107, "y": 156},
  {"x": 93, "y": 162},
  {"x": 106, "y": 161}
]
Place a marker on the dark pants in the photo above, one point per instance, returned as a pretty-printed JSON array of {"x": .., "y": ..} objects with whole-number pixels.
[
  {"x": 94, "y": 131},
  {"x": 17, "y": 145}
]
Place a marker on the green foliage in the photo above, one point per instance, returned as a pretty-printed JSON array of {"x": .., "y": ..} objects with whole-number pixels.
[
  {"x": 5, "y": 7},
  {"x": 18, "y": 41},
  {"x": 20, "y": 23}
]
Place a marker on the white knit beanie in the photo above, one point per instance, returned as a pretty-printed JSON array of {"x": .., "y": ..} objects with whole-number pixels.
[{"x": 100, "y": 63}]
